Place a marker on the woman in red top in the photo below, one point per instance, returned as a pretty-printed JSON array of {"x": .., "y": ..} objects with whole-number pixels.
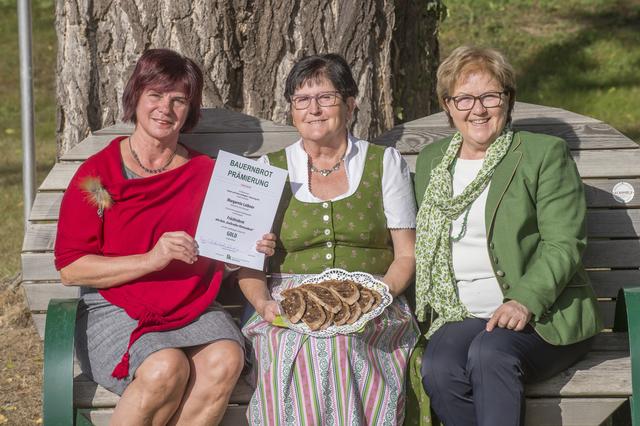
[{"x": 148, "y": 327}]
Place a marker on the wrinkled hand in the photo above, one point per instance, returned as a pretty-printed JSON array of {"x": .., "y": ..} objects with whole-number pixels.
[
  {"x": 512, "y": 315},
  {"x": 173, "y": 246},
  {"x": 268, "y": 310},
  {"x": 267, "y": 245}
]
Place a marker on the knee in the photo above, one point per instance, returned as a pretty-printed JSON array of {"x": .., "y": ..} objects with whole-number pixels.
[
  {"x": 165, "y": 372},
  {"x": 222, "y": 363},
  {"x": 489, "y": 353},
  {"x": 439, "y": 371}
]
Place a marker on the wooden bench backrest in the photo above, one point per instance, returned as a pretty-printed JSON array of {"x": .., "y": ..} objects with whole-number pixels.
[{"x": 604, "y": 156}]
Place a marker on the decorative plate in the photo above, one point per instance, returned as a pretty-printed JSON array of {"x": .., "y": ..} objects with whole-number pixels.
[{"x": 362, "y": 278}]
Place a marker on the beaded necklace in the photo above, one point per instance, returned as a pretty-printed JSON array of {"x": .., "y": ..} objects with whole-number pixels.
[{"x": 151, "y": 171}]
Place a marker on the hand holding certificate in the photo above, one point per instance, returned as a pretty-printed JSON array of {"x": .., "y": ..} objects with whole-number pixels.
[{"x": 239, "y": 208}]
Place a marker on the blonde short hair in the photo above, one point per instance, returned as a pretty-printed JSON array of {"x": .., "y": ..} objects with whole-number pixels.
[{"x": 467, "y": 59}]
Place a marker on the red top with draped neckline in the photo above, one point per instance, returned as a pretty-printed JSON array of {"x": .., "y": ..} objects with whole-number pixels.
[{"x": 143, "y": 209}]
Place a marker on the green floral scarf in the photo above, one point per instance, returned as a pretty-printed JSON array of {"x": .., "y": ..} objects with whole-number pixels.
[{"x": 435, "y": 280}]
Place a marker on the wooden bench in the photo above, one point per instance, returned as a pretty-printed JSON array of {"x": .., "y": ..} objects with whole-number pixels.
[{"x": 586, "y": 394}]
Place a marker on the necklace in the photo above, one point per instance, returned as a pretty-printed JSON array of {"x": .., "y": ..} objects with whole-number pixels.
[
  {"x": 463, "y": 228},
  {"x": 323, "y": 172},
  {"x": 151, "y": 171}
]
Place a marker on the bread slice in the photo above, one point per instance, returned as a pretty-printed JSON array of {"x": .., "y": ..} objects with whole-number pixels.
[
  {"x": 324, "y": 297},
  {"x": 314, "y": 315},
  {"x": 293, "y": 304},
  {"x": 356, "y": 313},
  {"x": 378, "y": 299},
  {"x": 328, "y": 321},
  {"x": 346, "y": 290},
  {"x": 343, "y": 316},
  {"x": 366, "y": 299}
]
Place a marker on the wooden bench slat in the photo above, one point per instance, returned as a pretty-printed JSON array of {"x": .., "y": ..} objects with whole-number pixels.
[
  {"x": 39, "y": 295},
  {"x": 607, "y": 312},
  {"x": 539, "y": 412},
  {"x": 604, "y": 374},
  {"x": 234, "y": 416},
  {"x": 608, "y": 163},
  {"x": 622, "y": 163},
  {"x": 599, "y": 254},
  {"x": 570, "y": 411},
  {"x": 622, "y": 223},
  {"x": 522, "y": 112},
  {"x": 39, "y": 237},
  {"x": 607, "y": 283},
  {"x": 217, "y": 120},
  {"x": 613, "y": 342},
  {"x": 87, "y": 393},
  {"x": 251, "y": 145},
  {"x": 39, "y": 267},
  {"x": 46, "y": 206},
  {"x": 599, "y": 192},
  {"x": 579, "y": 136},
  {"x": 612, "y": 254}
]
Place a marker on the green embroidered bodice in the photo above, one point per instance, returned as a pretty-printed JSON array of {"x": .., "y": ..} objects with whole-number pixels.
[{"x": 350, "y": 233}]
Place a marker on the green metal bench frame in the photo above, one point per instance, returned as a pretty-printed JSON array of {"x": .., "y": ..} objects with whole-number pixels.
[{"x": 632, "y": 303}]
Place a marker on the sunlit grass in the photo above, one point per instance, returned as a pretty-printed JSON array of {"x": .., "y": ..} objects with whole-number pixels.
[
  {"x": 44, "y": 41},
  {"x": 579, "y": 55}
]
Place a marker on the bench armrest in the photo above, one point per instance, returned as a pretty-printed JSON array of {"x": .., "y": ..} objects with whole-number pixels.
[
  {"x": 59, "y": 335},
  {"x": 632, "y": 301}
]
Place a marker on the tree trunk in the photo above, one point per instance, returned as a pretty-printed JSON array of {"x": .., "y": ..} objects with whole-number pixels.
[{"x": 246, "y": 48}]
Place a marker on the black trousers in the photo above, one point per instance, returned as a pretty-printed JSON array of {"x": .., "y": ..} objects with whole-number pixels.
[{"x": 475, "y": 377}]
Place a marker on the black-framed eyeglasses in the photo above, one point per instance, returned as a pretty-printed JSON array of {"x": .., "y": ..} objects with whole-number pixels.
[
  {"x": 325, "y": 99},
  {"x": 487, "y": 100}
]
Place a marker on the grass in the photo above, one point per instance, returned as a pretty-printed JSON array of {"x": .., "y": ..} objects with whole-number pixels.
[
  {"x": 43, "y": 53},
  {"x": 579, "y": 55}
]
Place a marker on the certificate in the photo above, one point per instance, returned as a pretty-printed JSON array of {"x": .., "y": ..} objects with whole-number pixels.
[{"x": 239, "y": 208}]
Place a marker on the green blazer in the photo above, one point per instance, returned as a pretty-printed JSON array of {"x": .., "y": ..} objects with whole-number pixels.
[{"x": 535, "y": 218}]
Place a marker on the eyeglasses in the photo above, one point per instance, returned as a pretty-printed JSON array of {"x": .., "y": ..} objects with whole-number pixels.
[
  {"x": 325, "y": 99},
  {"x": 487, "y": 100}
]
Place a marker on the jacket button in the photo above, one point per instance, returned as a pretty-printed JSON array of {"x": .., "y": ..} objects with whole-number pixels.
[
  {"x": 505, "y": 286},
  {"x": 491, "y": 245},
  {"x": 500, "y": 273}
]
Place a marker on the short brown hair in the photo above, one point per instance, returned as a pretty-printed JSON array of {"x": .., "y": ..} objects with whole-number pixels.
[
  {"x": 163, "y": 69},
  {"x": 331, "y": 66},
  {"x": 466, "y": 59}
]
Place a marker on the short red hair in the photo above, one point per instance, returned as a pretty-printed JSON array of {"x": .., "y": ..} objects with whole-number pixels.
[{"x": 164, "y": 70}]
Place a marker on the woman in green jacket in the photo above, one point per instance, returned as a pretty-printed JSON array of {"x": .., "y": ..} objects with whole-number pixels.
[{"x": 500, "y": 236}]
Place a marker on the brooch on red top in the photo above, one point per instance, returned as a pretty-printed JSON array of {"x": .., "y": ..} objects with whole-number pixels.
[{"x": 96, "y": 194}]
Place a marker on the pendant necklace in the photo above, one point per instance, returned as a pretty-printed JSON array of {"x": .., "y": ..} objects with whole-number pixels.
[{"x": 323, "y": 172}]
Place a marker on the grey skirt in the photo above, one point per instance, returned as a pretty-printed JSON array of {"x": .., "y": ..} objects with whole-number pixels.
[{"x": 103, "y": 331}]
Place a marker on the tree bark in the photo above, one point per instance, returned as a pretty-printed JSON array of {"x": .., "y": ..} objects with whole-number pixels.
[{"x": 246, "y": 48}]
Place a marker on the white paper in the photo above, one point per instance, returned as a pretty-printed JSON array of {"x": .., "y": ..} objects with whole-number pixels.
[{"x": 239, "y": 209}]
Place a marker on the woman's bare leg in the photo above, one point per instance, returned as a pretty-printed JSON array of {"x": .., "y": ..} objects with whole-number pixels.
[
  {"x": 156, "y": 391},
  {"x": 215, "y": 369}
]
